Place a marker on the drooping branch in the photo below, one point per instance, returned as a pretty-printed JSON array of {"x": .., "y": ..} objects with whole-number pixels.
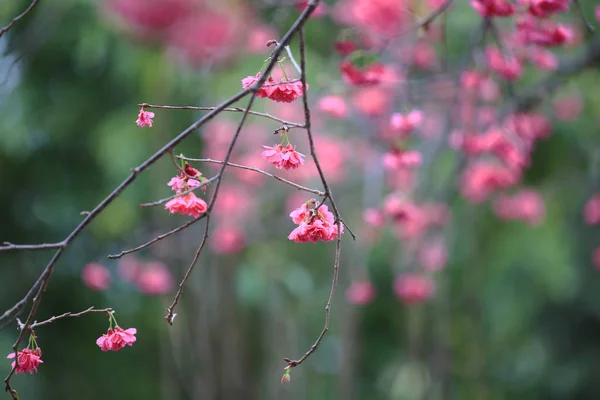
[
  {"x": 65, "y": 315},
  {"x": 19, "y": 17}
]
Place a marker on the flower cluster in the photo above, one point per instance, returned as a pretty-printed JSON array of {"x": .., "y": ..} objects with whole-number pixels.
[
  {"x": 283, "y": 157},
  {"x": 284, "y": 91},
  {"x": 144, "y": 118},
  {"x": 29, "y": 360},
  {"x": 187, "y": 204},
  {"x": 117, "y": 338},
  {"x": 314, "y": 224}
]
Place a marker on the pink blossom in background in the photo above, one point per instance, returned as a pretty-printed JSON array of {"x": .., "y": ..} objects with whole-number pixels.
[
  {"x": 344, "y": 47},
  {"x": 596, "y": 257},
  {"x": 433, "y": 254},
  {"x": 493, "y": 8},
  {"x": 529, "y": 126},
  {"x": 334, "y": 106},
  {"x": 489, "y": 90},
  {"x": 128, "y": 268},
  {"x": 287, "y": 91},
  {"x": 144, "y": 118},
  {"x": 188, "y": 204},
  {"x": 318, "y": 12},
  {"x": 265, "y": 90},
  {"x": 380, "y": 18},
  {"x": 154, "y": 279},
  {"x": 29, "y": 360},
  {"x": 413, "y": 288},
  {"x": 598, "y": 13},
  {"x": 235, "y": 202},
  {"x": 544, "y": 8},
  {"x": 207, "y": 37},
  {"x": 360, "y": 293},
  {"x": 227, "y": 240},
  {"x": 525, "y": 205},
  {"x": 591, "y": 210},
  {"x": 543, "y": 33},
  {"x": 116, "y": 339},
  {"x": 543, "y": 59},
  {"x": 482, "y": 179},
  {"x": 216, "y": 136},
  {"x": 371, "y": 102},
  {"x": 372, "y": 74},
  {"x": 333, "y": 156},
  {"x": 398, "y": 159},
  {"x": 424, "y": 55},
  {"x": 373, "y": 217},
  {"x": 153, "y": 15},
  {"x": 252, "y": 159},
  {"x": 258, "y": 38},
  {"x": 283, "y": 157},
  {"x": 568, "y": 108},
  {"x": 508, "y": 66},
  {"x": 405, "y": 124},
  {"x": 96, "y": 276}
]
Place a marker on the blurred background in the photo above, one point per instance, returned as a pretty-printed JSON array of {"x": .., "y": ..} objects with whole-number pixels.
[{"x": 494, "y": 297}]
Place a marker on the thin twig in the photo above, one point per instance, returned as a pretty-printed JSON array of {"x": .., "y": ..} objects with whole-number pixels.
[
  {"x": 65, "y": 315},
  {"x": 162, "y": 201},
  {"x": 586, "y": 22},
  {"x": 292, "y": 59},
  {"x": 255, "y": 169},
  {"x": 156, "y": 239},
  {"x": 338, "y": 247},
  {"x": 19, "y": 17},
  {"x": 6, "y": 246},
  {"x": 230, "y": 109}
]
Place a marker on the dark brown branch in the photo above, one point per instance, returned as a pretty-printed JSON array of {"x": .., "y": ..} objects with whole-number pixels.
[
  {"x": 6, "y": 246},
  {"x": 258, "y": 170},
  {"x": 156, "y": 239},
  {"x": 65, "y": 315},
  {"x": 328, "y": 193},
  {"x": 19, "y": 17},
  {"x": 588, "y": 25},
  {"x": 230, "y": 109}
]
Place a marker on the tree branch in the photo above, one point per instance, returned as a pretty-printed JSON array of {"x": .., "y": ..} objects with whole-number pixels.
[{"x": 19, "y": 17}]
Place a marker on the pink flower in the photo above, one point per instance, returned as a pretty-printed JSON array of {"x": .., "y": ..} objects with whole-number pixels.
[
  {"x": 116, "y": 339},
  {"x": 314, "y": 225},
  {"x": 493, "y": 8},
  {"x": 543, "y": 59},
  {"x": 591, "y": 211},
  {"x": 373, "y": 217},
  {"x": 543, "y": 8},
  {"x": 29, "y": 360},
  {"x": 154, "y": 279},
  {"x": 283, "y": 157},
  {"x": 265, "y": 91},
  {"x": 377, "y": 17},
  {"x": 482, "y": 179},
  {"x": 226, "y": 240},
  {"x": 360, "y": 293},
  {"x": 526, "y": 205},
  {"x": 568, "y": 108},
  {"x": 396, "y": 159},
  {"x": 405, "y": 124},
  {"x": 144, "y": 118},
  {"x": 372, "y": 74},
  {"x": 334, "y": 106},
  {"x": 286, "y": 91},
  {"x": 344, "y": 47},
  {"x": 188, "y": 204},
  {"x": 372, "y": 102},
  {"x": 96, "y": 276},
  {"x": 413, "y": 288},
  {"x": 433, "y": 255},
  {"x": 508, "y": 67}
]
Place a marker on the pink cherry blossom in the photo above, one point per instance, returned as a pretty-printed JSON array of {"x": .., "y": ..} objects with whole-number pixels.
[
  {"x": 596, "y": 258},
  {"x": 482, "y": 179},
  {"x": 314, "y": 226},
  {"x": 591, "y": 211},
  {"x": 372, "y": 101},
  {"x": 116, "y": 339},
  {"x": 283, "y": 157},
  {"x": 525, "y": 205},
  {"x": 373, "y": 217},
  {"x": 544, "y": 8},
  {"x": 227, "y": 240},
  {"x": 144, "y": 118},
  {"x": 396, "y": 159},
  {"x": 372, "y": 74},
  {"x": 405, "y": 124},
  {"x": 433, "y": 254},
  {"x": 188, "y": 204},
  {"x": 508, "y": 66},
  {"x": 154, "y": 279},
  {"x": 96, "y": 276},
  {"x": 266, "y": 89},
  {"x": 286, "y": 91},
  {"x": 360, "y": 293},
  {"x": 413, "y": 288},
  {"x": 334, "y": 106},
  {"x": 29, "y": 360},
  {"x": 493, "y": 8}
]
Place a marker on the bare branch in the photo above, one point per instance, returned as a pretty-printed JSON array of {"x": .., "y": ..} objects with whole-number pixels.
[
  {"x": 258, "y": 170},
  {"x": 6, "y": 246},
  {"x": 290, "y": 124},
  {"x": 19, "y": 17},
  {"x": 65, "y": 315}
]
